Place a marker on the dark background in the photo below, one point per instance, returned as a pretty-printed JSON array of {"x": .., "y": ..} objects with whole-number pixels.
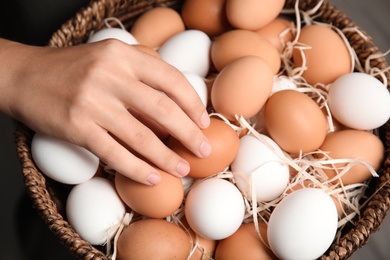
[{"x": 23, "y": 235}]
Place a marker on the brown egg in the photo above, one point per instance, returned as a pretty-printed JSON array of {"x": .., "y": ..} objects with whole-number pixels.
[
  {"x": 295, "y": 122},
  {"x": 278, "y": 32},
  {"x": 208, "y": 16},
  {"x": 235, "y": 44},
  {"x": 242, "y": 87},
  {"x": 147, "y": 49},
  {"x": 354, "y": 144},
  {"x": 157, "y": 25},
  {"x": 252, "y": 14},
  {"x": 224, "y": 143},
  {"x": 245, "y": 243},
  {"x": 153, "y": 239},
  {"x": 157, "y": 201},
  {"x": 328, "y": 57}
]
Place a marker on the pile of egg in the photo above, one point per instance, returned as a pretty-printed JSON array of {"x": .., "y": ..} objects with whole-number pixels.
[{"x": 272, "y": 120}]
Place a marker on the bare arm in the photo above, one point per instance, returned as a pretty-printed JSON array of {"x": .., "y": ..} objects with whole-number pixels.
[{"x": 83, "y": 94}]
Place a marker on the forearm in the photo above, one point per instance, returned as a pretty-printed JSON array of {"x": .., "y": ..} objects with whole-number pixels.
[{"x": 13, "y": 60}]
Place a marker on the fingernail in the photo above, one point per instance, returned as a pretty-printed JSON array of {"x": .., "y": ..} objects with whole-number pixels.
[
  {"x": 183, "y": 168},
  {"x": 205, "y": 120},
  {"x": 154, "y": 178},
  {"x": 205, "y": 149}
]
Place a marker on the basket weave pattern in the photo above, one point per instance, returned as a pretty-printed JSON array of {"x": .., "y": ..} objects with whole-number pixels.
[{"x": 48, "y": 197}]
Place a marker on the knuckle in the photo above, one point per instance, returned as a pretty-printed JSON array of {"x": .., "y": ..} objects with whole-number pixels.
[
  {"x": 165, "y": 105},
  {"x": 140, "y": 138}
]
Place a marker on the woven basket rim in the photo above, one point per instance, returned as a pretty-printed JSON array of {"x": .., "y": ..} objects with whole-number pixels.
[{"x": 75, "y": 31}]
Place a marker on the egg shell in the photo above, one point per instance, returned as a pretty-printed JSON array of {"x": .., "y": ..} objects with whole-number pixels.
[
  {"x": 360, "y": 101},
  {"x": 258, "y": 167},
  {"x": 303, "y": 225},
  {"x": 328, "y": 57},
  {"x": 158, "y": 201},
  {"x": 188, "y": 51},
  {"x": 113, "y": 33},
  {"x": 245, "y": 243},
  {"x": 353, "y": 144},
  {"x": 157, "y": 25},
  {"x": 213, "y": 20},
  {"x": 295, "y": 122},
  {"x": 242, "y": 87},
  {"x": 252, "y": 14},
  {"x": 63, "y": 161},
  {"x": 279, "y": 32},
  {"x": 199, "y": 84},
  {"x": 237, "y": 43},
  {"x": 224, "y": 143},
  {"x": 153, "y": 239},
  {"x": 214, "y": 208},
  {"x": 94, "y": 209}
]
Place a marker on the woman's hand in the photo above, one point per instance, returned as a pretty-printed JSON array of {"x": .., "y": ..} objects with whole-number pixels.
[{"x": 93, "y": 94}]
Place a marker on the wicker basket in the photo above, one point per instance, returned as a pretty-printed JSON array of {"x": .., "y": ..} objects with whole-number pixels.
[{"x": 48, "y": 197}]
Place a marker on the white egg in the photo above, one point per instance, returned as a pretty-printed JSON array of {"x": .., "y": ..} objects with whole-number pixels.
[
  {"x": 63, "y": 161},
  {"x": 214, "y": 208},
  {"x": 303, "y": 225},
  {"x": 188, "y": 51},
  {"x": 198, "y": 84},
  {"x": 258, "y": 168},
  {"x": 94, "y": 210},
  {"x": 360, "y": 101},
  {"x": 113, "y": 33}
]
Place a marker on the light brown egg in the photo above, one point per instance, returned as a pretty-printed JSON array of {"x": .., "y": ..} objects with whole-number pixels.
[
  {"x": 157, "y": 25},
  {"x": 354, "y": 144},
  {"x": 252, "y": 14},
  {"x": 245, "y": 243},
  {"x": 208, "y": 16},
  {"x": 295, "y": 122},
  {"x": 279, "y": 32},
  {"x": 235, "y": 44},
  {"x": 242, "y": 87},
  {"x": 224, "y": 143},
  {"x": 153, "y": 239},
  {"x": 328, "y": 57},
  {"x": 157, "y": 201}
]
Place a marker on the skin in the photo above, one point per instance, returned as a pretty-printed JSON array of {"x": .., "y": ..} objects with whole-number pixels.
[{"x": 92, "y": 94}]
